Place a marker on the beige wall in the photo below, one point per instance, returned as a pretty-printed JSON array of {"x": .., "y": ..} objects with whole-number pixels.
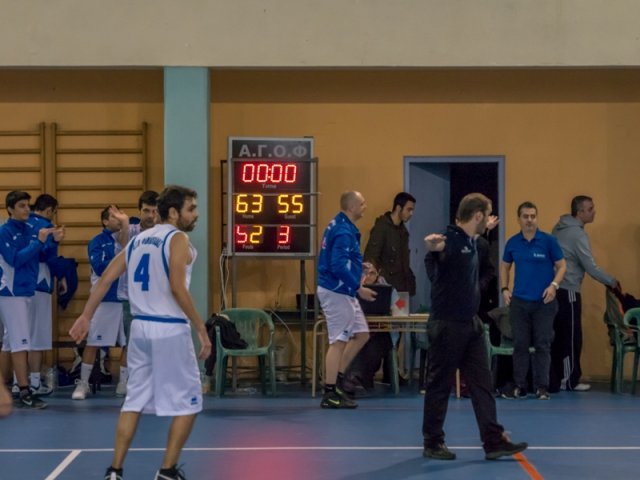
[
  {"x": 319, "y": 33},
  {"x": 562, "y": 132},
  {"x": 81, "y": 100}
]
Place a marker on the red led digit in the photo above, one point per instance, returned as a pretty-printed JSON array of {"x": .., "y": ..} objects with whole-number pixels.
[
  {"x": 248, "y": 172},
  {"x": 262, "y": 175},
  {"x": 276, "y": 173},
  {"x": 290, "y": 173},
  {"x": 241, "y": 234},
  {"x": 284, "y": 237}
]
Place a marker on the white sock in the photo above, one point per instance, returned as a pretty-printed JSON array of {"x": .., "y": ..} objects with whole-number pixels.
[
  {"x": 34, "y": 380},
  {"x": 85, "y": 371},
  {"x": 124, "y": 374}
]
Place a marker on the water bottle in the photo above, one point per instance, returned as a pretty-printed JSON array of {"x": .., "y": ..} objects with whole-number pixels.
[{"x": 51, "y": 378}]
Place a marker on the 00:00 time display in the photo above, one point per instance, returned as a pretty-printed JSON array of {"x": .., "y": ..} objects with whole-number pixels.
[
  {"x": 269, "y": 173},
  {"x": 271, "y": 176}
]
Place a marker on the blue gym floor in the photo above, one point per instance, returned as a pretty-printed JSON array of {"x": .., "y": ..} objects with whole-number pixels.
[{"x": 592, "y": 435}]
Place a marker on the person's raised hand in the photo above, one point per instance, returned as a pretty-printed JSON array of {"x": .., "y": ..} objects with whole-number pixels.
[{"x": 435, "y": 242}]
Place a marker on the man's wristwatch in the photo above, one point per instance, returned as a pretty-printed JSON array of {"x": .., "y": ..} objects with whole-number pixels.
[
  {"x": 503, "y": 289},
  {"x": 555, "y": 284}
]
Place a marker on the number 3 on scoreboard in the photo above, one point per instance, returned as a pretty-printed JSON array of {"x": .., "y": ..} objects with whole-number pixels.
[{"x": 141, "y": 273}]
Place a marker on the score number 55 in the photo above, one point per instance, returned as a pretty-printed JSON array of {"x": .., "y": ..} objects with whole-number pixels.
[{"x": 254, "y": 203}]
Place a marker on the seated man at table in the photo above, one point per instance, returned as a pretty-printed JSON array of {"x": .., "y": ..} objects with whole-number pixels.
[{"x": 360, "y": 374}]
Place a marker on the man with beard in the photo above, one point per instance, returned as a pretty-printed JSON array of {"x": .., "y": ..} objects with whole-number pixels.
[
  {"x": 148, "y": 211},
  {"x": 388, "y": 252},
  {"x": 163, "y": 371},
  {"x": 456, "y": 339}
]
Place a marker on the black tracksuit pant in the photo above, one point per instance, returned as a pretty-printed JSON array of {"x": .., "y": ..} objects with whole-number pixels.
[
  {"x": 453, "y": 345},
  {"x": 368, "y": 360},
  {"x": 567, "y": 343}
]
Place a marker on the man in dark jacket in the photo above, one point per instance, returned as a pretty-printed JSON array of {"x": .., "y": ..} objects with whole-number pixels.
[
  {"x": 388, "y": 246},
  {"x": 388, "y": 251}
]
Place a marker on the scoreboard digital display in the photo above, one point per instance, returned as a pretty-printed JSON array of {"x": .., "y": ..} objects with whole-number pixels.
[
  {"x": 272, "y": 175},
  {"x": 272, "y": 197}
]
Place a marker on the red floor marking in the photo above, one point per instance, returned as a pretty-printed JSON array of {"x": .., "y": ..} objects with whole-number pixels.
[{"x": 527, "y": 467}]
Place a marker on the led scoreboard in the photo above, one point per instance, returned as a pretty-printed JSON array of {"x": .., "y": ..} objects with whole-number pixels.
[{"x": 272, "y": 202}]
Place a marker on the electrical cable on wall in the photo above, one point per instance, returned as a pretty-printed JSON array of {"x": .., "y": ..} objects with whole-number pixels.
[
  {"x": 272, "y": 312},
  {"x": 224, "y": 278}
]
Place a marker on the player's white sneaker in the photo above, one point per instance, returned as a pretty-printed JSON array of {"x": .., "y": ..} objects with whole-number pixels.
[
  {"x": 582, "y": 387},
  {"x": 81, "y": 390},
  {"x": 121, "y": 388}
]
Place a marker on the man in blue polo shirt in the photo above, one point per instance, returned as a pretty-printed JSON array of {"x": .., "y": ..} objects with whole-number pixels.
[{"x": 540, "y": 267}]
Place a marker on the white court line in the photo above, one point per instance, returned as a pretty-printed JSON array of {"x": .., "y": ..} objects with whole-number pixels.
[
  {"x": 75, "y": 452},
  {"x": 64, "y": 464}
]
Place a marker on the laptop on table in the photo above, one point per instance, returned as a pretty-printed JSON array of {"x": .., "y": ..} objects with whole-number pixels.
[{"x": 381, "y": 306}]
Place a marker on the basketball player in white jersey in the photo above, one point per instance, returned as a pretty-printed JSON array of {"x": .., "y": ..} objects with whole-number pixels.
[{"x": 163, "y": 372}]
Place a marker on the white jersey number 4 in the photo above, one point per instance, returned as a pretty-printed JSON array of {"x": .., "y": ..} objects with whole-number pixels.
[{"x": 141, "y": 273}]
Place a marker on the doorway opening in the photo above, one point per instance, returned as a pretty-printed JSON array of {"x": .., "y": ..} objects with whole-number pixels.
[{"x": 438, "y": 184}]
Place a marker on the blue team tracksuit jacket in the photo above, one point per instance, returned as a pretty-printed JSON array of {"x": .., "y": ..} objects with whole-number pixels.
[
  {"x": 102, "y": 249},
  {"x": 340, "y": 263},
  {"x": 20, "y": 254}
]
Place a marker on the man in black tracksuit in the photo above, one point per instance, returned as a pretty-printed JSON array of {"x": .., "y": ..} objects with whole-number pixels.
[{"x": 456, "y": 336}]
